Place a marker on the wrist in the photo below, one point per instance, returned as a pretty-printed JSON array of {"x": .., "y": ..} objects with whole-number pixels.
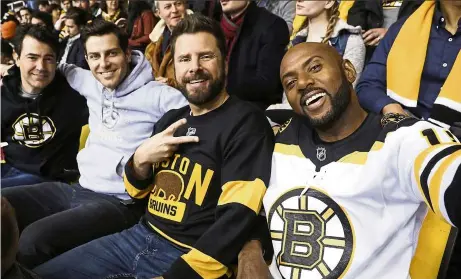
[
  {"x": 140, "y": 165},
  {"x": 253, "y": 247}
]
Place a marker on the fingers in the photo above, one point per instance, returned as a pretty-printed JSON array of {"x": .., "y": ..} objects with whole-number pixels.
[
  {"x": 184, "y": 139},
  {"x": 173, "y": 127},
  {"x": 375, "y": 42}
]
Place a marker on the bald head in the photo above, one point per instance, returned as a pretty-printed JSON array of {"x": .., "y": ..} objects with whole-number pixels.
[{"x": 305, "y": 50}]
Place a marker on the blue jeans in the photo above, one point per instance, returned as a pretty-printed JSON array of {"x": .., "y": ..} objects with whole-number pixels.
[
  {"x": 11, "y": 177},
  {"x": 137, "y": 252},
  {"x": 55, "y": 217}
]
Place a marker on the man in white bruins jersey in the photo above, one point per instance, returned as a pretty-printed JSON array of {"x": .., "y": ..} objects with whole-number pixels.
[{"x": 349, "y": 190}]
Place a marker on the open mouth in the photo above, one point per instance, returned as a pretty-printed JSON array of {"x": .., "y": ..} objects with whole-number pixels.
[
  {"x": 107, "y": 74},
  {"x": 313, "y": 100}
]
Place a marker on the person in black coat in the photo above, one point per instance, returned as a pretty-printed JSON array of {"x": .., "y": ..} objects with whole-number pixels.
[
  {"x": 375, "y": 17},
  {"x": 72, "y": 48},
  {"x": 256, "y": 42}
]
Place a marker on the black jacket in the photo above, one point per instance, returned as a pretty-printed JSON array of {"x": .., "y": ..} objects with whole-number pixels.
[
  {"x": 50, "y": 144},
  {"x": 369, "y": 13},
  {"x": 254, "y": 64},
  {"x": 76, "y": 54}
]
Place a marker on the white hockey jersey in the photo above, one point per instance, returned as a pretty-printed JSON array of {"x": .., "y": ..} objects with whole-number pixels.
[{"x": 354, "y": 208}]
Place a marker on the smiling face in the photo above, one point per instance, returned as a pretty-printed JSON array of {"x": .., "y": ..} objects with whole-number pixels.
[
  {"x": 107, "y": 61},
  {"x": 37, "y": 64},
  {"x": 317, "y": 82},
  {"x": 199, "y": 67},
  {"x": 171, "y": 12},
  {"x": 25, "y": 16}
]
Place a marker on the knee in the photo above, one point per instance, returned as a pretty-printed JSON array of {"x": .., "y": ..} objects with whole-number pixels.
[{"x": 36, "y": 245}]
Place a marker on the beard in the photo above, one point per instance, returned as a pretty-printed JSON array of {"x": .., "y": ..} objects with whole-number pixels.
[
  {"x": 339, "y": 104},
  {"x": 205, "y": 95}
]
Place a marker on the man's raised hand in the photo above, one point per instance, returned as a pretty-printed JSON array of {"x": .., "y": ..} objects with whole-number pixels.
[{"x": 158, "y": 148}]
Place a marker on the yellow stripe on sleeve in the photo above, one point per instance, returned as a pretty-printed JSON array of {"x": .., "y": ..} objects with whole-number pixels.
[
  {"x": 133, "y": 191},
  {"x": 419, "y": 163},
  {"x": 204, "y": 265},
  {"x": 247, "y": 193},
  {"x": 436, "y": 181}
]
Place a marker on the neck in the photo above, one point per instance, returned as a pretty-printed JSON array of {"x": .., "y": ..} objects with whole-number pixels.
[
  {"x": 239, "y": 13},
  {"x": 347, "y": 124},
  {"x": 212, "y": 105},
  {"x": 452, "y": 13},
  {"x": 29, "y": 89},
  {"x": 318, "y": 26},
  {"x": 111, "y": 12}
]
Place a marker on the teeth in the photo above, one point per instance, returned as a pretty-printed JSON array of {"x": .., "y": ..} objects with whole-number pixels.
[
  {"x": 313, "y": 97},
  {"x": 196, "y": 81}
]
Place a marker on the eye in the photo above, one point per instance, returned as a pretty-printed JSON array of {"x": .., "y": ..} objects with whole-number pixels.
[
  {"x": 93, "y": 56},
  {"x": 184, "y": 59},
  {"x": 113, "y": 53},
  {"x": 207, "y": 57},
  {"x": 315, "y": 68},
  {"x": 289, "y": 85},
  {"x": 32, "y": 58}
]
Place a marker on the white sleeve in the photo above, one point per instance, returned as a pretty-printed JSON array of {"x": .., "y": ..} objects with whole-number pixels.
[
  {"x": 77, "y": 78},
  {"x": 429, "y": 163}
]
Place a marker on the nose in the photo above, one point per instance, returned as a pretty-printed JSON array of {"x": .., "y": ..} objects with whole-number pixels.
[
  {"x": 40, "y": 65},
  {"x": 105, "y": 63},
  {"x": 174, "y": 9},
  {"x": 305, "y": 80},
  {"x": 194, "y": 65}
]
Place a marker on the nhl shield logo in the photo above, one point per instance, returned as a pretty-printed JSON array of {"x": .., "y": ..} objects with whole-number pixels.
[
  {"x": 321, "y": 153},
  {"x": 191, "y": 131}
]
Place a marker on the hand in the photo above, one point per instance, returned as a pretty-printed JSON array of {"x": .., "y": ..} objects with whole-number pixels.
[
  {"x": 251, "y": 264},
  {"x": 373, "y": 36},
  {"x": 121, "y": 23},
  {"x": 394, "y": 108},
  {"x": 158, "y": 148},
  {"x": 162, "y": 80}
]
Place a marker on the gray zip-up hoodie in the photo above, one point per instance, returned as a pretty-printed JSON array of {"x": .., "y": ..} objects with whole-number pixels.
[{"x": 119, "y": 121}]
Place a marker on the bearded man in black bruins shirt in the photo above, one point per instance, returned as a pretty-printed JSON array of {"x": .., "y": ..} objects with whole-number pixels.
[{"x": 204, "y": 172}]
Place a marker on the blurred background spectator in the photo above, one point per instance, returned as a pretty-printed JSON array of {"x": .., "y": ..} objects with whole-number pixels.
[
  {"x": 72, "y": 50},
  {"x": 141, "y": 22}
]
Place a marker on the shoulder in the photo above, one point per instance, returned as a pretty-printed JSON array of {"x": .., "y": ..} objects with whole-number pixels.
[
  {"x": 170, "y": 117},
  {"x": 288, "y": 132},
  {"x": 246, "y": 116}
]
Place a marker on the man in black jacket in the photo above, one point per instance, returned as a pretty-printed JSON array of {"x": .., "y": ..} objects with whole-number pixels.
[
  {"x": 42, "y": 116},
  {"x": 256, "y": 41},
  {"x": 376, "y": 16}
]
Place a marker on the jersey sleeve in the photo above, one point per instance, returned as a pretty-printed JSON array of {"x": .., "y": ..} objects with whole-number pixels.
[
  {"x": 429, "y": 162},
  {"x": 140, "y": 188},
  {"x": 245, "y": 172}
]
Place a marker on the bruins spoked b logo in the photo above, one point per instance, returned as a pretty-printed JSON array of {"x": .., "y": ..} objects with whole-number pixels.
[
  {"x": 312, "y": 234},
  {"x": 33, "y": 132}
]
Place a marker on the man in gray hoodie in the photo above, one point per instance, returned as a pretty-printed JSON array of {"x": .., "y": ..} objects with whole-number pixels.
[{"x": 124, "y": 104}]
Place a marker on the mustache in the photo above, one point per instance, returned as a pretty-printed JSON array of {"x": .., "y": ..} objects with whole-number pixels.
[{"x": 200, "y": 74}]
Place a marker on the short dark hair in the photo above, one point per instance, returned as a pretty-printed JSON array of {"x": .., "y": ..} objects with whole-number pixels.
[
  {"x": 43, "y": 3},
  {"x": 45, "y": 17},
  {"x": 121, "y": 5},
  {"x": 79, "y": 16},
  {"x": 101, "y": 27},
  {"x": 195, "y": 23},
  {"x": 55, "y": 7},
  {"x": 38, "y": 32}
]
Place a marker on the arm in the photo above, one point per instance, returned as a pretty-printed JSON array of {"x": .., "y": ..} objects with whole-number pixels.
[
  {"x": 265, "y": 84},
  {"x": 251, "y": 264},
  {"x": 429, "y": 163},
  {"x": 355, "y": 52},
  {"x": 76, "y": 77},
  {"x": 372, "y": 87},
  {"x": 357, "y": 15},
  {"x": 245, "y": 174},
  {"x": 148, "y": 21}
]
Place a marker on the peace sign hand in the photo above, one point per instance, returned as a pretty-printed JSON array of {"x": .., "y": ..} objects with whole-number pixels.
[{"x": 158, "y": 148}]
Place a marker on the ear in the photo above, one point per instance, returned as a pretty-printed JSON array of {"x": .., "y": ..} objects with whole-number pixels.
[
  {"x": 349, "y": 70},
  {"x": 16, "y": 58},
  {"x": 329, "y": 4}
]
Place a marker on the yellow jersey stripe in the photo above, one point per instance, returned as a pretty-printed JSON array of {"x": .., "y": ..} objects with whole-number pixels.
[
  {"x": 169, "y": 238},
  {"x": 436, "y": 181},
  {"x": 247, "y": 193},
  {"x": 204, "y": 265},
  {"x": 289, "y": 149},
  {"x": 133, "y": 191}
]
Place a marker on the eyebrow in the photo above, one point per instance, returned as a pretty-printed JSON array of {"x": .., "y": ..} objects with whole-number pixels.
[
  {"x": 308, "y": 61},
  {"x": 109, "y": 50}
]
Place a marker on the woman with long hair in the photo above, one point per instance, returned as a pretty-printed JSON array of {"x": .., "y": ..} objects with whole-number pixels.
[
  {"x": 323, "y": 25},
  {"x": 141, "y": 21},
  {"x": 114, "y": 11}
]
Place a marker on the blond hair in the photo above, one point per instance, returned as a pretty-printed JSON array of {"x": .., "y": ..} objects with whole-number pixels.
[{"x": 333, "y": 14}]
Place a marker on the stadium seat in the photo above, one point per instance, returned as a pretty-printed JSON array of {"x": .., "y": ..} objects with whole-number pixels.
[{"x": 84, "y": 136}]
